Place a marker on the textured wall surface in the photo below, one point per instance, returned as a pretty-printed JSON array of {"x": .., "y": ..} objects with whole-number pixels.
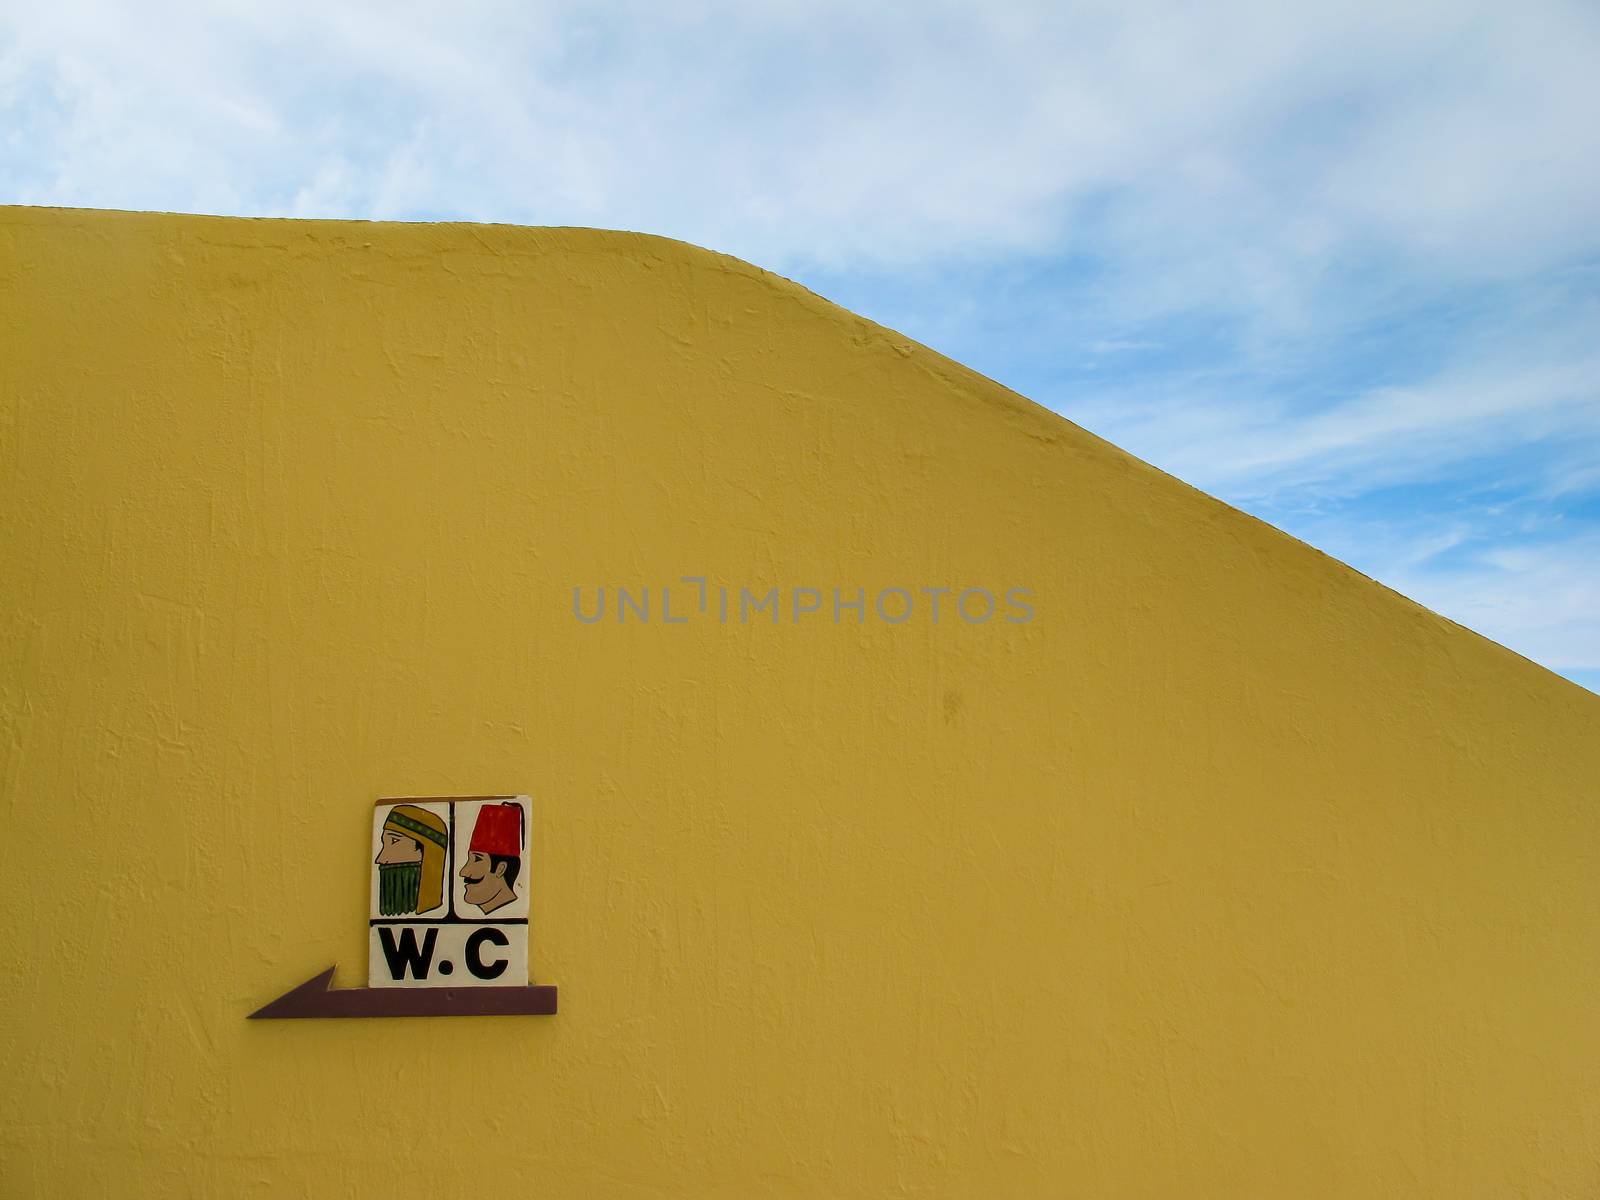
[{"x": 1229, "y": 874}]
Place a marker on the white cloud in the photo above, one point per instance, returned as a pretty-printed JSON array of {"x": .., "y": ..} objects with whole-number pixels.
[
  {"x": 1465, "y": 491},
  {"x": 1256, "y": 140},
  {"x": 1541, "y": 598},
  {"x": 1372, "y": 439}
]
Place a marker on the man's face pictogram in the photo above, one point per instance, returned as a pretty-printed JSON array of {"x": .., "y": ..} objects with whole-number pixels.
[
  {"x": 397, "y": 848},
  {"x": 481, "y": 882},
  {"x": 489, "y": 881},
  {"x": 400, "y": 867}
]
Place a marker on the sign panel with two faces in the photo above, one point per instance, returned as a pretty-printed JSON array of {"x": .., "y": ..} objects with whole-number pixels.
[{"x": 449, "y": 897}]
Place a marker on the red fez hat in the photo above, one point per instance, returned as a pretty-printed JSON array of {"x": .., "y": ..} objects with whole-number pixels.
[{"x": 498, "y": 830}]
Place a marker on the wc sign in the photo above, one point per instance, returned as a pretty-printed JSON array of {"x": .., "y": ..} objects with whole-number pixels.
[
  {"x": 449, "y": 902},
  {"x": 447, "y": 917}
]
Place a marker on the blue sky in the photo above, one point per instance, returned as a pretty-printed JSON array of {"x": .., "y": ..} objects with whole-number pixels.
[{"x": 1338, "y": 264}]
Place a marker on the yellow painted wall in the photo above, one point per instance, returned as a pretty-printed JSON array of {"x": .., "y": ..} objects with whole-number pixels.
[{"x": 1230, "y": 874}]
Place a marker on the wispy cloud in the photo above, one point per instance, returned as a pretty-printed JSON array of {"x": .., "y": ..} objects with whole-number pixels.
[
  {"x": 1270, "y": 138},
  {"x": 1465, "y": 417},
  {"x": 1539, "y": 594}
]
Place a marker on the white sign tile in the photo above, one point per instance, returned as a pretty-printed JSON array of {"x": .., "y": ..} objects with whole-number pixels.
[{"x": 449, "y": 896}]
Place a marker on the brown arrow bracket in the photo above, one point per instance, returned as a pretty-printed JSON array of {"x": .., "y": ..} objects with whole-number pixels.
[{"x": 315, "y": 998}]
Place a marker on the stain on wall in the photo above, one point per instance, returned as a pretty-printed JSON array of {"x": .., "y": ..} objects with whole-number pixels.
[{"x": 1229, "y": 873}]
